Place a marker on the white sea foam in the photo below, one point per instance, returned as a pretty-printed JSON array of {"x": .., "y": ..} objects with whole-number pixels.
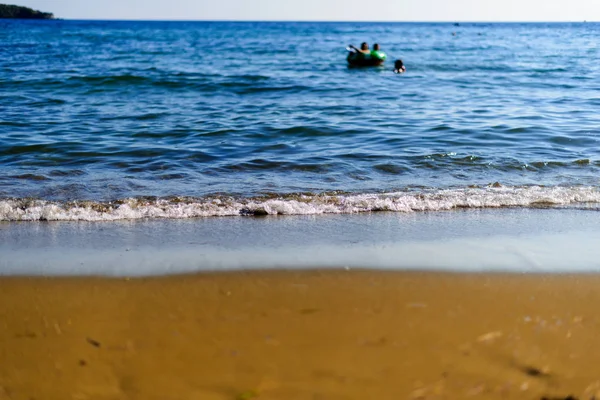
[{"x": 406, "y": 202}]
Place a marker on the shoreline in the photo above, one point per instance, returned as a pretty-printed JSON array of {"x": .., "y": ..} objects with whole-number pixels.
[
  {"x": 318, "y": 334},
  {"x": 521, "y": 240}
]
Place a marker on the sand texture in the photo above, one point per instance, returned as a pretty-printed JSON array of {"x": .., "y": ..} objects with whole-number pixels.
[{"x": 301, "y": 335}]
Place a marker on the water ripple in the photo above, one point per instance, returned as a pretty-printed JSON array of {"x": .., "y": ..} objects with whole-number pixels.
[{"x": 112, "y": 110}]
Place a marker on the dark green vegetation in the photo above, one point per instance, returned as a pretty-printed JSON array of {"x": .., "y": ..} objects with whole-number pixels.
[{"x": 18, "y": 12}]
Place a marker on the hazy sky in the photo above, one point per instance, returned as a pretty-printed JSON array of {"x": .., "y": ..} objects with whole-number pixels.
[{"x": 328, "y": 10}]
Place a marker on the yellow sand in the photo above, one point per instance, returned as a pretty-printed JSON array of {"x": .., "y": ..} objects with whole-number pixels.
[{"x": 301, "y": 335}]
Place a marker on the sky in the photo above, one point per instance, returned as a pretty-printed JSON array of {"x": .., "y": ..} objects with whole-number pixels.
[{"x": 322, "y": 10}]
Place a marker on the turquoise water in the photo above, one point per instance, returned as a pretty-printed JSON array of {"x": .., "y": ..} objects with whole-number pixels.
[{"x": 126, "y": 120}]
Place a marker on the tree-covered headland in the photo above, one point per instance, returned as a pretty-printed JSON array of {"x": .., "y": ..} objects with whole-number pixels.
[{"x": 18, "y": 12}]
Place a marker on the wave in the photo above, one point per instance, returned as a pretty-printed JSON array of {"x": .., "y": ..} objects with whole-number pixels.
[
  {"x": 410, "y": 201},
  {"x": 207, "y": 83}
]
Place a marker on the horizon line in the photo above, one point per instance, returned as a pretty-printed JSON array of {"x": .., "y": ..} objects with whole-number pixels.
[{"x": 334, "y": 21}]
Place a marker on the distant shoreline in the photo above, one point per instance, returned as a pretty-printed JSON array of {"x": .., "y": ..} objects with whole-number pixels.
[{"x": 8, "y": 11}]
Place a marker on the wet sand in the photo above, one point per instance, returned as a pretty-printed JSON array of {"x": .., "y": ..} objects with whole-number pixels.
[
  {"x": 301, "y": 335},
  {"x": 504, "y": 240}
]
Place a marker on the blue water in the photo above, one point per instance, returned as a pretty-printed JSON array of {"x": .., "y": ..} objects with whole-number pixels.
[{"x": 112, "y": 120}]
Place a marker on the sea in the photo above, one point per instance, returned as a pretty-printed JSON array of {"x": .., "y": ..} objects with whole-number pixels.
[{"x": 189, "y": 133}]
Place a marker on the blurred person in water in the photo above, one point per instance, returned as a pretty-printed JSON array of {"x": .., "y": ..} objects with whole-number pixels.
[
  {"x": 364, "y": 48},
  {"x": 399, "y": 67}
]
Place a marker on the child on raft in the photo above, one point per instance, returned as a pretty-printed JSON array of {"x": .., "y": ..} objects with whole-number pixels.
[
  {"x": 364, "y": 48},
  {"x": 399, "y": 67}
]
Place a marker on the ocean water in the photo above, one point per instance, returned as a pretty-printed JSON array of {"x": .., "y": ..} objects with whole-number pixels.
[{"x": 128, "y": 120}]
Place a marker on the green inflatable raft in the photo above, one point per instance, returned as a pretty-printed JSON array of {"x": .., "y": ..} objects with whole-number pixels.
[{"x": 358, "y": 59}]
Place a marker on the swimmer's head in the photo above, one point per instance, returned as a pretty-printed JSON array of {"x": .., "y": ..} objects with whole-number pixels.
[
  {"x": 376, "y": 47},
  {"x": 364, "y": 46},
  {"x": 399, "y": 67}
]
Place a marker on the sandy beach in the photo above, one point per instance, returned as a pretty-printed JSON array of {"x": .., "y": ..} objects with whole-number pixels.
[{"x": 301, "y": 335}]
